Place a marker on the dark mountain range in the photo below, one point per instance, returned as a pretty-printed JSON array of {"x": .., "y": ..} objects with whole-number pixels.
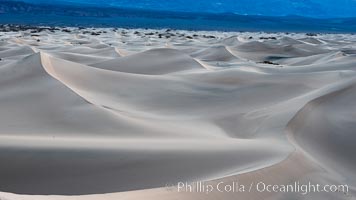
[
  {"x": 16, "y": 12},
  {"x": 310, "y": 8}
]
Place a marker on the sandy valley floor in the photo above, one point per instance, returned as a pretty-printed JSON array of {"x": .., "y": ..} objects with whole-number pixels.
[{"x": 120, "y": 114}]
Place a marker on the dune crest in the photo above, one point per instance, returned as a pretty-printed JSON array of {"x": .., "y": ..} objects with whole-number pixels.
[{"x": 121, "y": 114}]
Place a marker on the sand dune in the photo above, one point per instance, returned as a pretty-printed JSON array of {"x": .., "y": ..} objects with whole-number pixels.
[
  {"x": 151, "y": 62},
  {"x": 269, "y": 50},
  {"x": 122, "y": 114},
  {"x": 216, "y": 53}
]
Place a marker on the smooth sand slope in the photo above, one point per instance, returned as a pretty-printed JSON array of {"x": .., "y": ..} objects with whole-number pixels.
[{"x": 120, "y": 114}]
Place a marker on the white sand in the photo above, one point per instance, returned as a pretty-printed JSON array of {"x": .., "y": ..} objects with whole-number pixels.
[{"x": 122, "y": 114}]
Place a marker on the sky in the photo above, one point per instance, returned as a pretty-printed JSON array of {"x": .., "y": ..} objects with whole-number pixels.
[{"x": 308, "y": 8}]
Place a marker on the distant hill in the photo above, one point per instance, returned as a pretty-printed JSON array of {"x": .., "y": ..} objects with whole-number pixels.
[
  {"x": 17, "y": 12},
  {"x": 310, "y": 8}
]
